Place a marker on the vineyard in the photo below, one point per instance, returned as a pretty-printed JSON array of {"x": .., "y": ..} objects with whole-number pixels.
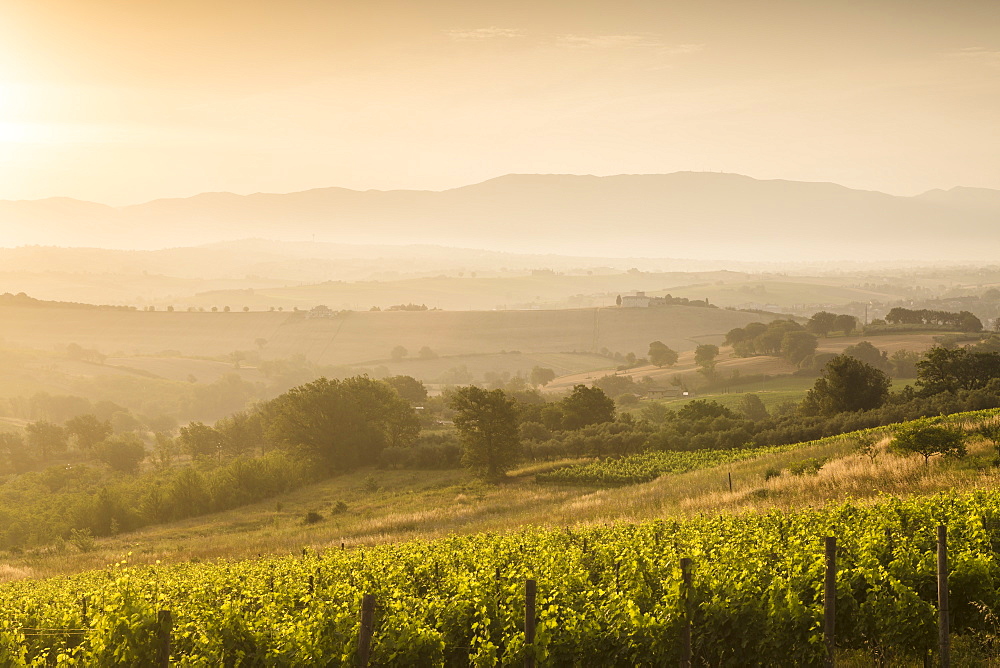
[
  {"x": 646, "y": 466},
  {"x": 607, "y": 595}
]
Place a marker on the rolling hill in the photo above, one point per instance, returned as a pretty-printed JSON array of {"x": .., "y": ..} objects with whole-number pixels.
[{"x": 684, "y": 214}]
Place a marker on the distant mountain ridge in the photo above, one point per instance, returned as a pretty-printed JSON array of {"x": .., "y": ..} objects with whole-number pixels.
[{"x": 684, "y": 214}]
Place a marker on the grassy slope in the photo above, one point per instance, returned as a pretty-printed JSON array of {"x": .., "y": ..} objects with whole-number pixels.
[
  {"x": 773, "y": 392},
  {"x": 428, "y": 504}
]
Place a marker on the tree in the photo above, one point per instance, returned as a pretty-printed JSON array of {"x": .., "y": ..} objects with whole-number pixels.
[
  {"x": 796, "y": 346},
  {"x": 122, "y": 453},
  {"x": 542, "y": 376},
  {"x": 241, "y": 433},
  {"x": 615, "y": 386},
  {"x": 847, "y": 384},
  {"x": 426, "y": 353},
  {"x": 926, "y": 439},
  {"x": 487, "y": 422},
  {"x": 867, "y": 445},
  {"x": 534, "y": 431},
  {"x": 46, "y": 438},
  {"x": 408, "y": 387},
  {"x": 704, "y": 357},
  {"x": 341, "y": 423},
  {"x": 701, "y": 408},
  {"x": 88, "y": 430},
  {"x": 904, "y": 363},
  {"x": 822, "y": 323},
  {"x": 752, "y": 406},
  {"x": 770, "y": 340},
  {"x": 586, "y": 406},
  {"x": 13, "y": 456},
  {"x": 945, "y": 370},
  {"x": 845, "y": 323},
  {"x": 967, "y": 322},
  {"x": 398, "y": 353},
  {"x": 869, "y": 354},
  {"x": 656, "y": 413},
  {"x": 201, "y": 441},
  {"x": 660, "y": 355},
  {"x": 989, "y": 431}
]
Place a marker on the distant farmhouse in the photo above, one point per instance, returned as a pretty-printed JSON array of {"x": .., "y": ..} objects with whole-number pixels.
[{"x": 640, "y": 300}]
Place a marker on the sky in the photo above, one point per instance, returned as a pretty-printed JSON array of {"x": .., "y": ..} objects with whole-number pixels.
[{"x": 123, "y": 101}]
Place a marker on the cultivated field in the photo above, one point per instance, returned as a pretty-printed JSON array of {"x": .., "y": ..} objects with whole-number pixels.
[{"x": 365, "y": 337}]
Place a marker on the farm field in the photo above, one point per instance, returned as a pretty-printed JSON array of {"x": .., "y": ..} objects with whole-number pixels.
[
  {"x": 727, "y": 365},
  {"x": 365, "y": 337},
  {"x": 790, "y": 291},
  {"x": 773, "y": 392}
]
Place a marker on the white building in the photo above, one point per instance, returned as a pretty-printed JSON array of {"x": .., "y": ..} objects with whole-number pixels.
[{"x": 638, "y": 300}]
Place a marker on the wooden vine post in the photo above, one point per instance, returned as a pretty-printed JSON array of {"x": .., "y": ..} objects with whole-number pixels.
[
  {"x": 366, "y": 630},
  {"x": 830, "y": 600},
  {"x": 686, "y": 581},
  {"x": 530, "y": 589},
  {"x": 164, "y": 625},
  {"x": 944, "y": 643}
]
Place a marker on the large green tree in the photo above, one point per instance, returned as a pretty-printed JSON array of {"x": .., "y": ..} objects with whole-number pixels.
[
  {"x": 945, "y": 370},
  {"x": 661, "y": 355},
  {"x": 869, "y": 354},
  {"x": 586, "y": 406},
  {"x": 542, "y": 375},
  {"x": 122, "y": 453},
  {"x": 88, "y": 430},
  {"x": 488, "y": 423},
  {"x": 847, "y": 384},
  {"x": 821, "y": 323},
  {"x": 46, "y": 438},
  {"x": 753, "y": 407},
  {"x": 201, "y": 441},
  {"x": 704, "y": 357},
  {"x": 341, "y": 423},
  {"x": 408, "y": 387},
  {"x": 796, "y": 346},
  {"x": 845, "y": 323}
]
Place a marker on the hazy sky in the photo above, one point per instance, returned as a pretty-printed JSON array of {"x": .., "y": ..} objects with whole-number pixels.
[{"x": 125, "y": 101}]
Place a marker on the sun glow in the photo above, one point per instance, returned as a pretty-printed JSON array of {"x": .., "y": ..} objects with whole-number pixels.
[{"x": 16, "y": 133}]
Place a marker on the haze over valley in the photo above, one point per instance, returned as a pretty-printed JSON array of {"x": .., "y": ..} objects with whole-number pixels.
[
  {"x": 449, "y": 333},
  {"x": 686, "y": 215}
]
